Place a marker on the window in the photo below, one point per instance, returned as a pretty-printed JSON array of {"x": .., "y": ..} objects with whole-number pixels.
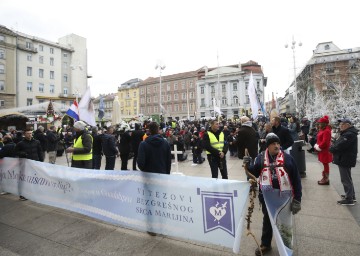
[
  {"x": 65, "y": 54},
  {"x": 329, "y": 67},
  {"x": 134, "y": 103},
  {"x": 2, "y": 38},
  {"x": 183, "y": 107},
  {"x": 202, "y": 90},
  {"x": 183, "y": 96},
  {"x": 156, "y": 109},
  {"x": 51, "y": 61},
  {"x": 29, "y": 57},
  {"x": 63, "y": 104},
  {"x": 175, "y": 96},
  {"x": 212, "y": 89},
  {"x": 234, "y": 86},
  {"x": 169, "y": 108},
  {"x": 202, "y": 102},
  {"x": 127, "y": 94},
  {"x": 169, "y": 98},
  {"x": 2, "y": 103},
  {"x": 162, "y": 98},
  {"x": 168, "y": 87},
  {"x": 134, "y": 94},
  {"x": 155, "y": 88},
  {"x": 192, "y": 106},
  {"x": 2, "y": 86},
  {"x": 29, "y": 86},
  {"x": 51, "y": 50},
  {"x": 191, "y": 84},
  {"x": 41, "y": 73},
  {"x": 41, "y": 59},
  {"x": 52, "y": 74},
  {"x": 353, "y": 64},
  {"x": 28, "y": 45},
  {"x": 148, "y": 100},
  {"x": 175, "y": 86},
  {"x": 247, "y": 99},
  {"x": 155, "y": 99},
  {"x": 223, "y": 87},
  {"x": 183, "y": 85},
  {"x": 41, "y": 48},
  {"x": 236, "y": 100},
  {"x": 29, "y": 102},
  {"x": 41, "y": 101},
  {"x": 2, "y": 54},
  {"x": 191, "y": 95},
  {"x": 327, "y": 47},
  {"x": 142, "y": 91},
  {"x": 29, "y": 71},
  {"x": 128, "y": 103},
  {"x": 65, "y": 91},
  {"x": 142, "y": 100},
  {"x": 52, "y": 88},
  {"x": 65, "y": 78},
  {"x": 224, "y": 101},
  {"x": 41, "y": 87},
  {"x": 2, "y": 69},
  {"x": 176, "y": 107},
  {"x": 246, "y": 85}
]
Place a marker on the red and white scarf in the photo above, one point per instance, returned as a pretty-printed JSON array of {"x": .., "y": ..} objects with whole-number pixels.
[{"x": 265, "y": 178}]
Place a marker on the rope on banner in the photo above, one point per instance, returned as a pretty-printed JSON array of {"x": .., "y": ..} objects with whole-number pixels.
[{"x": 252, "y": 196}]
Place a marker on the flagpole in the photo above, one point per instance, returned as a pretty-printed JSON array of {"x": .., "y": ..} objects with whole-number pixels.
[{"x": 218, "y": 81}]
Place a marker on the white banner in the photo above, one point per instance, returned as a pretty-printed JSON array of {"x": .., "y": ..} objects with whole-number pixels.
[{"x": 203, "y": 209}]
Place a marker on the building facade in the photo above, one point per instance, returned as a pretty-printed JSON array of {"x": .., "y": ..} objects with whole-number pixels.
[
  {"x": 38, "y": 70},
  {"x": 176, "y": 99},
  {"x": 128, "y": 94},
  {"x": 227, "y": 88}
]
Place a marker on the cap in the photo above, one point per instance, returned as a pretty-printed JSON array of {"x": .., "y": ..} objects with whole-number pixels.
[
  {"x": 324, "y": 119},
  {"x": 271, "y": 138},
  {"x": 80, "y": 125},
  {"x": 344, "y": 120}
]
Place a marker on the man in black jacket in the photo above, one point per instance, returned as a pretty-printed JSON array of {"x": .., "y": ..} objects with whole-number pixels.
[
  {"x": 154, "y": 153},
  {"x": 9, "y": 147},
  {"x": 345, "y": 150},
  {"x": 108, "y": 144},
  {"x": 29, "y": 148},
  {"x": 41, "y": 136},
  {"x": 124, "y": 146},
  {"x": 282, "y": 132},
  {"x": 136, "y": 139},
  {"x": 52, "y": 141}
]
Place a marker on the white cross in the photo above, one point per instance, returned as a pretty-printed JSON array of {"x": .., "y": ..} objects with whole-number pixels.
[{"x": 176, "y": 153}]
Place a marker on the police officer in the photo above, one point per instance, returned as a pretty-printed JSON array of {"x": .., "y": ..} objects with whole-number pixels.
[
  {"x": 82, "y": 148},
  {"x": 214, "y": 144}
]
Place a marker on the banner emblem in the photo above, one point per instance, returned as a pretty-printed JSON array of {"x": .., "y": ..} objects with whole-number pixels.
[{"x": 218, "y": 211}]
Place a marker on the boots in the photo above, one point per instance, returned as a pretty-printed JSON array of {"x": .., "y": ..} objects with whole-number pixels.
[{"x": 325, "y": 179}]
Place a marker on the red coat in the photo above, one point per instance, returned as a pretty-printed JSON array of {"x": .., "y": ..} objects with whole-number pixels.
[{"x": 324, "y": 141}]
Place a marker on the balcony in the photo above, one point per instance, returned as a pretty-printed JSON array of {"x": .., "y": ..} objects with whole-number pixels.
[
  {"x": 23, "y": 47},
  {"x": 63, "y": 95}
]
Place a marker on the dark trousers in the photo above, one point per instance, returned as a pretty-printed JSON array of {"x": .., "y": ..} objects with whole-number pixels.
[
  {"x": 134, "y": 161},
  {"x": 96, "y": 162},
  {"x": 217, "y": 163},
  {"x": 197, "y": 158},
  {"x": 110, "y": 162},
  {"x": 346, "y": 180},
  {"x": 124, "y": 160},
  {"x": 267, "y": 231}
]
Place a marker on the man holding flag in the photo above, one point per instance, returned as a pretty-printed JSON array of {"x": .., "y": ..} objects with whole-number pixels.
[{"x": 280, "y": 194}]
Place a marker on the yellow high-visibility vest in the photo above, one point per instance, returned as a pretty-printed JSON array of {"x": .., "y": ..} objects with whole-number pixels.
[
  {"x": 217, "y": 144},
  {"x": 78, "y": 144}
]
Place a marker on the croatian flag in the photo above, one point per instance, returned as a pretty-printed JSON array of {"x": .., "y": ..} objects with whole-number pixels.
[{"x": 74, "y": 111}]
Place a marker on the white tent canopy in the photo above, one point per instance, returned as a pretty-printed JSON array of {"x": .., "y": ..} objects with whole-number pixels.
[{"x": 41, "y": 107}]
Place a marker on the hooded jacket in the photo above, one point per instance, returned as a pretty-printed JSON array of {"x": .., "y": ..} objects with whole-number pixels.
[
  {"x": 345, "y": 148},
  {"x": 324, "y": 140},
  {"x": 154, "y": 155}
]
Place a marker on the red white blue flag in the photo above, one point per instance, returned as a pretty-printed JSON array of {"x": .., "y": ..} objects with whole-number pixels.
[{"x": 73, "y": 111}]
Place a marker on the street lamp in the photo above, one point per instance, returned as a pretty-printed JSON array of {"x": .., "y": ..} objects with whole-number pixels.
[
  {"x": 293, "y": 46},
  {"x": 161, "y": 66}
]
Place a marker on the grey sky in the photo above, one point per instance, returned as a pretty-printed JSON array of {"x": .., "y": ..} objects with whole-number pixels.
[{"x": 126, "y": 38}]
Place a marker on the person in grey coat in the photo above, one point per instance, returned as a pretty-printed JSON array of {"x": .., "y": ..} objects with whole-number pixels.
[{"x": 345, "y": 150}]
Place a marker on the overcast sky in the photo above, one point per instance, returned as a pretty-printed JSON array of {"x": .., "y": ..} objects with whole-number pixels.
[{"x": 126, "y": 38}]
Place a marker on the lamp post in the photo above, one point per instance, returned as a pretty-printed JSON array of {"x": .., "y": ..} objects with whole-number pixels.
[
  {"x": 161, "y": 66},
  {"x": 293, "y": 46}
]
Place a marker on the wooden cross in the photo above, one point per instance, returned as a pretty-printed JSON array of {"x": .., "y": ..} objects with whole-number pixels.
[{"x": 175, "y": 152}]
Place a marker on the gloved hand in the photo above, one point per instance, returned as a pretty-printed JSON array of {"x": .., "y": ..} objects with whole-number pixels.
[
  {"x": 295, "y": 206},
  {"x": 246, "y": 160},
  {"x": 317, "y": 148}
]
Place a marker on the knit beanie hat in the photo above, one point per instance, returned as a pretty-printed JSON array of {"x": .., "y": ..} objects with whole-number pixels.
[
  {"x": 80, "y": 125},
  {"x": 271, "y": 138},
  {"x": 324, "y": 119}
]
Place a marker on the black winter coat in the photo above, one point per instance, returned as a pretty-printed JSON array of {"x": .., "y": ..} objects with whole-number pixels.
[
  {"x": 108, "y": 144},
  {"x": 345, "y": 148},
  {"x": 40, "y": 136},
  {"x": 284, "y": 135},
  {"x": 30, "y": 149},
  {"x": 247, "y": 138},
  {"x": 136, "y": 139},
  {"x": 125, "y": 143},
  {"x": 8, "y": 150},
  {"x": 52, "y": 140},
  {"x": 154, "y": 155}
]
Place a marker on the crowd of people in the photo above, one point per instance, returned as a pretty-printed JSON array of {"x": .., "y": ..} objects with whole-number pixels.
[{"x": 264, "y": 146}]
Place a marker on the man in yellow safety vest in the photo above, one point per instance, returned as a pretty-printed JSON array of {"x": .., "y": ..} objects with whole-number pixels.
[
  {"x": 216, "y": 148},
  {"x": 82, "y": 148}
]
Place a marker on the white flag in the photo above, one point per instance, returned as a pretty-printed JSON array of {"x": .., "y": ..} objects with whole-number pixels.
[
  {"x": 253, "y": 97},
  {"x": 86, "y": 108}
]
